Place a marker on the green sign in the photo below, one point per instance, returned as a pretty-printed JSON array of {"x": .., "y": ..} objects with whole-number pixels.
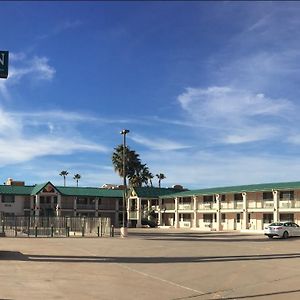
[{"x": 3, "y": 64}]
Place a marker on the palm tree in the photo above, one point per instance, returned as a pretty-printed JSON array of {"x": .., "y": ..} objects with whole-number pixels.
[
  {"x": 64, "y": 174},
  {"x": 77, "y": 177},
  {"x": 146, "y": 176},
  {"x": 132, "y": 161},
  {"x": 137, "y": 173},
  {"x": 160, "y": 177}
]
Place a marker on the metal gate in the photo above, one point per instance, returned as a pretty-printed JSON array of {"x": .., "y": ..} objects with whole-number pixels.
[{"x": 23, "y": 226}]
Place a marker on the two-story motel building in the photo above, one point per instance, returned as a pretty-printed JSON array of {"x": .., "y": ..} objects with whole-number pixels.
[
  {"x": 18, "y": 199},
  {"x": 246, "y": 207}
]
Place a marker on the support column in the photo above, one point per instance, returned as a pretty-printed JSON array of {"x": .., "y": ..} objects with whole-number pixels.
[
  {"x": 149, "y": 209},
  {"x": 176, "y": 224},
  {"x": 218, "y": 213},
  {"x": 58, "y": 208},
  {"x": 37, "y": 205},
  {"x": 117, "y": 213},
  {"x": 75, "y": 207},
  {"x": 159, "y": 212},
  {"x": 276, "y": 205},
  {"x": 128, "y": 211},
  {"x": 96, "y": 206},
  {"x": 245, "y": 212},
  {"x": 31, "y": 205},
  {"x": 194, "y": 211},
  {"x": 139, "y": 212}
]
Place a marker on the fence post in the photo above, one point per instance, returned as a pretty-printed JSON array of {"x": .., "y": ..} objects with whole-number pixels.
[
  {"x": 82, "y": 230},
  {"x": 28, "y": 226},
  {"x": 68, "y": 231},
  {"x": 101, "y": 227},
  {"x": 16, "y": 226},
  {"x": 112, "y": 231},
  {"x": 36, "y": 231},
  {"x": 52, "y": 230},
  {"x": 98, "y": 231}
]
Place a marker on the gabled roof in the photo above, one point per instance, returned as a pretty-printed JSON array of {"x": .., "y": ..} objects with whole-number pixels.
[
  {"x": 262, "y": 187},
  {"x": 38, "y": 187},
  {"x": 152, "y": 192}
]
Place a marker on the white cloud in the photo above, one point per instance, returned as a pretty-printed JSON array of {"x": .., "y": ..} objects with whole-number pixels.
[
  {"x": 237, "y": 116},
  {"x": 209, "y": 169},
  {"x": 158, "y": 144},
  {"x": 229, "y": 103},
  {"x": 22, "y": 149}
]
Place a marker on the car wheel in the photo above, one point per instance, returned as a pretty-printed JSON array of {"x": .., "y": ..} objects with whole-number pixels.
[{"x": 285, "y": 235}]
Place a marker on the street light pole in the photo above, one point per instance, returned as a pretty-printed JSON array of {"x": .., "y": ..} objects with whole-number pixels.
[{"x": 124, "y": 226}]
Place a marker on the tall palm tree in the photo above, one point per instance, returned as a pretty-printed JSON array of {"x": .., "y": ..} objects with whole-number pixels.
[
  {"x": 64, "y": 174},
  {"x": 77, "y": 178},
  {"x": 160, "y": 177},
  {"x": 132, "y": 161}
]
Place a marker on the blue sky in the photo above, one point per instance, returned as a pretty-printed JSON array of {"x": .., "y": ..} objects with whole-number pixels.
[{"x": 209, "y": 90}]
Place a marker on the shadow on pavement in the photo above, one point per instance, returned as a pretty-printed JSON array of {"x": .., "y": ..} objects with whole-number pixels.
[{"x": 17, "y": 256}]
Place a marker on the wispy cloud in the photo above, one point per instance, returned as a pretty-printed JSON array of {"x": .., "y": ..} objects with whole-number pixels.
[
  {"x": 61, "y": 27},
  {"x": 35, "y": 68},
  {"x": 239, "y": 116},
  {"x": 158, "y": 144}
]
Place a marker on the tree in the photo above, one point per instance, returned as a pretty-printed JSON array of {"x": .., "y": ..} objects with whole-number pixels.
[
  {"x": 146, "y": 176},
  {"x": 64, "y": 174},
  {"x": 77, "y": 178},
  {"x": 136, "y": 172},
  {"x": 132, "y": 161},
  {"x": 160, "y": 177}
]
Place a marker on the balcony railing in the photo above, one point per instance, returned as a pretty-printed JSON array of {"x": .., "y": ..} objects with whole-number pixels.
[
  {"x": 207, "y": 205},
  {"x": 86, "y": 206},
  {"x": 227, "y": 205},
  {"x": 268, "y": 204},
  {"x": 185, "y": 206},
  {"x": 289, "y": 204},
  {"x": 107, "y": 207},
  {"x": 169, "y": 206}
]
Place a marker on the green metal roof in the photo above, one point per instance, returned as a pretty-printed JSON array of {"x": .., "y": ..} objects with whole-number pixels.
[
  {"x": 66, "y": 191},
  {"x": 15, "y": 190},
  {"x": 153, "y": 192},
  {"x": 263, "y": 187},
  {"x": 89, "y": 192}
]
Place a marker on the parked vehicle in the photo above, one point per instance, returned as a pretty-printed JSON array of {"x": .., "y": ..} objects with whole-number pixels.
[{"x": 282, "y": 230}]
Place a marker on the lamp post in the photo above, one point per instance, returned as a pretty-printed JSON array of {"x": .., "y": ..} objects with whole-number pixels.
[{"x": 124, "y": 226}]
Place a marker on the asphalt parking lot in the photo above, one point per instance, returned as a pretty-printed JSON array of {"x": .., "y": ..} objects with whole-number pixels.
[{"x": 151, "y": 264}]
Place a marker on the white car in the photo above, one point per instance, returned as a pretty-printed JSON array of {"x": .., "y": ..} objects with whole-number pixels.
[{"x": 282, "y": 230}]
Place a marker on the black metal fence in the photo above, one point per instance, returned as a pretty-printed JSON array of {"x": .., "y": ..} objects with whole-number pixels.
[{"x": 23, "y": 226}]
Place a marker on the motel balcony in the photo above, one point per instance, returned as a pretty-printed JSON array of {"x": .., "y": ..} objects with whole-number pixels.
[
  {"x": 168, "y": 206},
  {"x": 67, "y": 205},
  {"x": 107, "y": 206},
  {"x": 185, "y": 206},
  {"x": 289, "y": 204},
  {"x": 86, "y": 206},
  {"x": 232, "y": 205},
  {"x": 207, "y": 205}
]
